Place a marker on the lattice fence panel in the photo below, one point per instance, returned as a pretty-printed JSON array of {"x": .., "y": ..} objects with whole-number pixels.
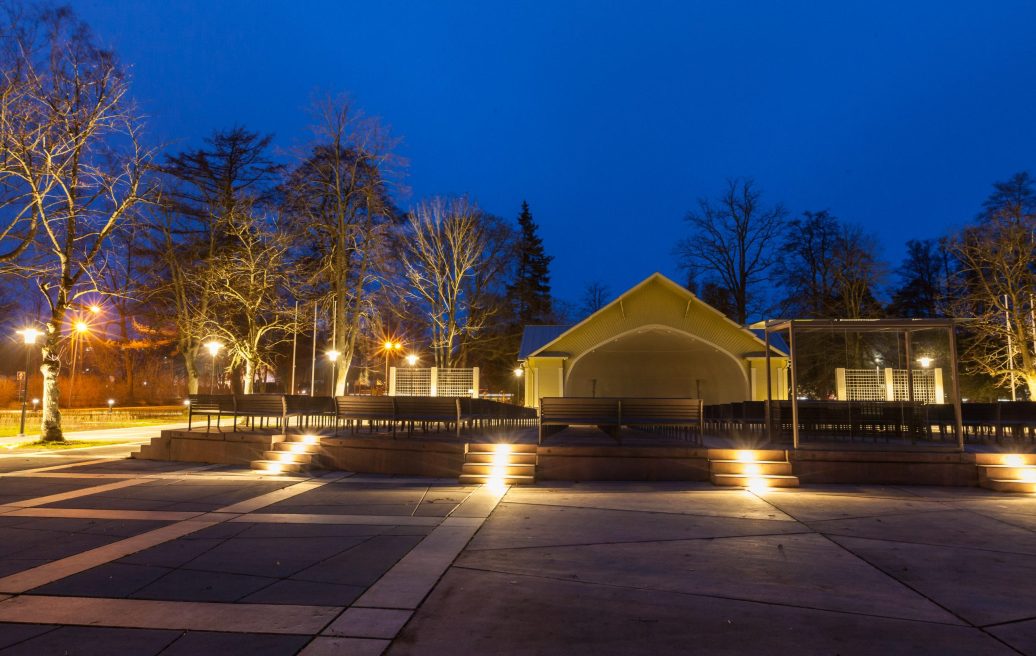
[
  {"x": 455, "y": 382},
  {"x": 411, "y": 381},
  {"x": 924, "y": 385},
  {"x": 865, "y": 385}
]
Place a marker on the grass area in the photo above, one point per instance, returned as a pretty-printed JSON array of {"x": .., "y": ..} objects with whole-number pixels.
[
  {"x": 32, "y": 424},
  {"x": 70, "y": 444}
]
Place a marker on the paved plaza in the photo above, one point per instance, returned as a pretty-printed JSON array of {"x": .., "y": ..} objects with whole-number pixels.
[{"x": 105, "y": 555}]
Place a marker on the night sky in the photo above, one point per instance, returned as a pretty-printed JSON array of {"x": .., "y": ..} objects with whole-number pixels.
[{"x": 612, "y": 118}]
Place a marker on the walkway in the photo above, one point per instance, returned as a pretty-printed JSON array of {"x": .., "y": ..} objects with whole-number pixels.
[{"x": 105, "y": 555}]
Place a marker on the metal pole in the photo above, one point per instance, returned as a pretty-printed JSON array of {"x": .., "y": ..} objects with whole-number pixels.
[
  {"x": 1010, "y": 349},
  {"x": 769, "y": 383},
  {"x": 294, "y": 347},
  {"x": 794, "y": 387},
  {"x": 910, "y": 369},
  {"x": 313, "y": 364},
  {"x": 212, "y": 385},
  {"x": 957, "y": 413},
  {"x": 25, "y": 389},
  {"x": 334, "y": 346}
]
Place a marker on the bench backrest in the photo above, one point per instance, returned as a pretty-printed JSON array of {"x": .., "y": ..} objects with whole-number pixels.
[
  {"x": 272, "y": 404},
  {"x": 426, "y": 408},
  {"x": 211, "y": 402},
  {"x": 575, "y": 410},
  {"x": 365, "y": 407},
  {"x": 664, "y": 410}
]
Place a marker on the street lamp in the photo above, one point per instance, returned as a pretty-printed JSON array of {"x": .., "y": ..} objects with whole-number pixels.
[
  {"x": 333, "y": 357},
  {"x": 213, "y": 348},
  {"x": 111, "y": 402},
  {"x": 924, "y": 361},
  {"x": 389, "y": 346},
  {"x": 518, "y": 372},
  {"x": 29, "y": 336},
  {"x": 411, "y": 360}
]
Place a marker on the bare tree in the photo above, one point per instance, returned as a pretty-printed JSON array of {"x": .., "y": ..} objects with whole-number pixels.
[
  {"x": 997, "y": 282},
  {"x": 248, "y": 285},
  {"x": 339, "y": 198},
  {"x": 70, "y": 143},
  {"x": 595, "y": 297},
  {"x": 733, "y": 242},
  {"x": 857, "y": 273},
  {"x": 443, "y": 248}
]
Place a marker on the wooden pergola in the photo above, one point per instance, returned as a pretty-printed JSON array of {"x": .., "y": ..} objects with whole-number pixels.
[{"x": 904, "y": 327}]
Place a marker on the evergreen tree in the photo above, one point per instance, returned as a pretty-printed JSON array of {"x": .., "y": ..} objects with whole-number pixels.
[
  {"x": 530, "y": 292},
  {"x": 924, "y": 275}
]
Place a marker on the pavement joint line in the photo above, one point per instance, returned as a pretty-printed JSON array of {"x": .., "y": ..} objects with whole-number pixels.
[
  {"x": 830, "y": 534},
  {"x": 270, "y": 498},
  {"x": 67, "y": 465},
  {"x": 652, "y": 512},
  {"x": 666, "y": 540},
  {"x": 74, "y": 494},
  {"x": 102, "y": 513},
  {"x": 175, "y": 615}
]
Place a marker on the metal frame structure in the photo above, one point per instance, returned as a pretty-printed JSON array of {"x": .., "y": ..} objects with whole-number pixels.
[{"x": 905, "y": 327}]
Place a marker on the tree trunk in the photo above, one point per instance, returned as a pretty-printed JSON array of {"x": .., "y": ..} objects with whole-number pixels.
[
  {"x": 247, "y": 383},
  {"x": 192, "y": 370},
  {"x": 50, "y": 367}
]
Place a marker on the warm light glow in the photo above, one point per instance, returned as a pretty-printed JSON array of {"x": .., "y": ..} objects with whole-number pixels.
[
  {"x": 186, "y": 401},
  {"x": 518, "y": 372},
  {"x": 96, "y": 309},
  {"x": 111, "y": 402},
  {"x": 297, "y": 447},
  {"x": 213, "y": 348},
  {"x": 1028, "y": 475},
  {"x": 310, "y": 439},
  {"x": 387, "y": 345},
  {"x": 81, "y": 327},
  {"x": 29, "y": 335},
  {"x": 503, "y": 448},
  {"x": 1014, "y": 461},
  {"x": 35, "y": 401},
  {"x": 411, "y": 359},
  {"x": 925, "y": 361},
  {"x": 753, "y": 469},
  {"x": 333, "y": 356},
  {"x": 745, "y": 456},
  {"x": 273, "y": 467},
  {"x": 758, "y": 485}
]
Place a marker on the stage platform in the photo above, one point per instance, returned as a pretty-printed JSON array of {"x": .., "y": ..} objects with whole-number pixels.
[{"x": 585, "y": 454}]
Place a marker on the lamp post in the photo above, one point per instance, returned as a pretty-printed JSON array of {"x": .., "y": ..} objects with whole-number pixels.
[
  {"x": 518, "y": 372},
  {"x": 389, "y": 346},
  {"x": 213, "y": 348},
  {"x": 924, "y": 361},
  {"x": 411, "y": 360},
  {"x": 111, "y": 404},
  {"x": 79, "y": 329},
  {"x": 333, "y": 357},
  {"x": 29, "y": 336}
]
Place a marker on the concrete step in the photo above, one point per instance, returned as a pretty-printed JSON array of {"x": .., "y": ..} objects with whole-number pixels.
[
  {"x": 1009, "y": 485},
  {"x": 1013, "y": 459},
  {"x": 513, "y": 458},
  {"x": 1007, "y": 472},
  {"x": 277, "y": 467},
  {"x": 748, "y": 455},
  {"x": 760, "y": 468},
  {"x": 476, "y": 479},
  {"x": 740, "y": 480},
  {"x": 288, "y": 456},
  {"x": 297, "y": 447},
  {"x": 502, "y": 446},
  {"x": 481, "y": 469}
]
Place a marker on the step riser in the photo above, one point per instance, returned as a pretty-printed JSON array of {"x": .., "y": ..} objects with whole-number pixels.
[
  {"x": 279, "y": 467},
  {"x": 752, "y": 468},
  {"x": 747, "y": 481},
  {"x": 288, "y": 457},
  {"x": 491, "y": 458},
  {"x": 498, "y": 470},
  {"x": 506, "y": 448},
  {"x": 753, "y": 455},
  {"x": 483, "y": 480},
  {"x": 297, "y": 447},
  {"x": 1005, "y": 458},
  {"x": 1011, "y": 486},
  {"x": 1009, "y": 473}
]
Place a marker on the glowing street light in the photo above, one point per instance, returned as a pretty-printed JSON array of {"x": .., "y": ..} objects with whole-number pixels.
[
  {"x": 111, "y": 404},
  {"x": 925, "y": 361},
  {"x": 81, "y": 327},
  {"x": 96, "y": 309},
  {"x": 518, "y": 373},
  {"x": 213, "y": 348},
  {"x": 333, "y": 356},
  {"x": 388, "y": 346},
  {"x": 411, "y": 360},
  {"x": 29, "y": 336}
]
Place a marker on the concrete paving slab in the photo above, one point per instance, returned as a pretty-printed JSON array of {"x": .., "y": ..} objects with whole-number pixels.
[
  {"x": 369, "y": 623},
  {"x": 522, "y": 525},
  {"x": 109, "y": 580},
  {"x": 292, "y": 591},
  {"x": 92, "y": 641},
  {"x": 1020, "y": 635},
  {"x": 200, "y": 643},
  {"x": 806, "y": 506},
  {"x": 342, "y": 646},
  {"x": 473, "y": 612},
  {"x": 678, "y": 498},
  {"x": 952, "y": 528},
  {"x": 140, "y": 613},
  {"x": 272, "y": 557},
  {"x": 803, "y": 570},
  {"x": 362, "y": 520},
  {"x": 362, "y": 565},
  {"x": 11, "y": 634},
  {"x": 175, "y": 553},
  {"x": 983, "y": 587},
  {"x": 194, "y": 585}
]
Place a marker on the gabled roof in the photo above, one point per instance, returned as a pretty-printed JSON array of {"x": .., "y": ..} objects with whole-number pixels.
[
  {"x": 734, "y": 338},
  {"x": 536, "y": 337}
]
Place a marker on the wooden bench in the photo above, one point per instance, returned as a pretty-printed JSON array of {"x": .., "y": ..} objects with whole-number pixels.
[
  {"x": 354, "y": 410},
  {"x": 558, "y": 413},
  {"x": 428, "y": 409},
  {"x": 263, "y": 406},
  {"x": 664, "y": 413},
  {"x": 210, "y": 405}
]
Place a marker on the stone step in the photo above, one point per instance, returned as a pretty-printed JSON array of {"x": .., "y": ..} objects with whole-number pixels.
[
  {"x": 481, "y": 469},
  {"x": 1009, "y": 485},
  {"x": 297, "y": 447},
  {"x": 288, "y": 456},
  {"x": 502, "y": 446},
  {"x": 513, "y": 458},
  {"x": 1013, "y": 459},
  {"x": 761, "y": 468},
  {"x": 277, "y": 467},
  {"x": 1008, "y": 472},
  {"x": 477, "y": 479},
  {"x": 739, "y": 480},
  {"x": 748, "y": 455},
  {"x": 305, "y": 438}
]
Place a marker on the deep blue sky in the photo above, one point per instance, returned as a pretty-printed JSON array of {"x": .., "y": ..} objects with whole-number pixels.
[{"x": 612, "y": 118}]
